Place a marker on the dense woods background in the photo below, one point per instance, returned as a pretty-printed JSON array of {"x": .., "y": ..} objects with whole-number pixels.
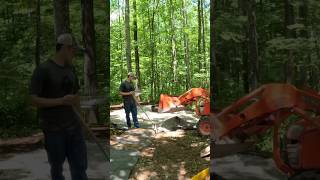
[
  {"x": 27, "y": 33},
  {"x": 258, "y": 42},
  {"x": 164, "y": 42}
]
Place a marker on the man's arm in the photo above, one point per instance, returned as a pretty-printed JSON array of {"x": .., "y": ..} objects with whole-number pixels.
[
  {"x": 45, "y": 102},
  {"x": 41, "y": 102},
  {"x": 127, "y": 93}
]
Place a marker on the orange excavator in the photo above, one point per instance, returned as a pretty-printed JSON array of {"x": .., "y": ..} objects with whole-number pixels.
[
  {"x": 199, "y": 96},
  {"x": 270, "y": 107}
]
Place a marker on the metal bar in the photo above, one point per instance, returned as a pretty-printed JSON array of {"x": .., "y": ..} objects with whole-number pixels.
[
  {"x": 154, "y": 125},
  {"x": 96, "y": 141}
]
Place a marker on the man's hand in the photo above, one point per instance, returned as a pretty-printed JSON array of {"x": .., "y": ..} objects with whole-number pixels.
[{"x": 70, "y": 99}]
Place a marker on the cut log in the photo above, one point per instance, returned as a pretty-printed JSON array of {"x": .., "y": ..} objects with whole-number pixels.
[
  {"x": 120, "y": 106},
  {"x": 21, "y": 144}
]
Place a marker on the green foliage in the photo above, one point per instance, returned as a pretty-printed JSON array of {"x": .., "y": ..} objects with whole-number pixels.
[
  {"x": 17, "y": 58},
  {"x": 17, "y": 118},
  {"x": 163, "y": 47}
]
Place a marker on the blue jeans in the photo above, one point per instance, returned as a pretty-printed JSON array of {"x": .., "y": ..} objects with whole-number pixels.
[
  {"x": 131, "y": 107},
  {"x": 68, "y": 144}
]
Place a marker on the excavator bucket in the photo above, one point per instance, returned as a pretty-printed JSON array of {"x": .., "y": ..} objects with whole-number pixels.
[
  {"x": 169, "y": 103},
  {"x": 199, "y": 96}
]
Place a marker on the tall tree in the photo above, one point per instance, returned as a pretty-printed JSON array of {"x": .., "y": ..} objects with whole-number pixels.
[
  {"x": 203, "y": 34},
  {"x": 152, "y": 46},
  {"x": 128, "y": 38},
  {"x": 173, "y": 44},
  {"x": 244, "y": 47},
  {"x": 61, "y": 17},
  {"x": 253, "y": 45},
  {"x": 88, "y": 35},
  {"x": 186, "y": 45},
  {"x": 199, "y": 34},
  {"x": 38, "y": 34},
  {"x": 107, "y": 70},
  {"x": 136, "y": 47},
  {"x": 289, "y": 19},
  {"x": 120, "y": 44}
]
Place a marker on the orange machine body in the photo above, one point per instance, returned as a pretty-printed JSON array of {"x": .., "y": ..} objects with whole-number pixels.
[{"x": 268, "y": 107}]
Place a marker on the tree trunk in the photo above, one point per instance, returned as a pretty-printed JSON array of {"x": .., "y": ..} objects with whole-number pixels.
[
  {"x": 120, "y": 44},
  {"x": 253, "y": 46},
  {"x": 186, "y": 46},
  {"x": 173, "y": 46},
  {"x": 152, "y": 51},
  {"x": 203, "y": 35},
  {"x": 289, "y": 19},
  {"x": 244, "y": 47},
  {"x": 61, "y": 17},
  {"x": 303, "y": 15},
  {"x": 88, "y": 35},
  {"x": 128, "y": 39},
  {"x": 107, "y": 71},
  {"x": 136, "y": 47},
  {"x": 38, "y": 34},
  {"x": 199, "y": 35}
]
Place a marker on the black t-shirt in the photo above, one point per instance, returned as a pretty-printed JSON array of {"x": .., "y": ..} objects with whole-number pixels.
[
  {"x": 127, "y": 86},
  {"x": 51, "y": 80}
]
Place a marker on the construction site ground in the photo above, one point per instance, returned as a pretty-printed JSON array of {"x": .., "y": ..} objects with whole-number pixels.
[{"x": 139, "y": 153}]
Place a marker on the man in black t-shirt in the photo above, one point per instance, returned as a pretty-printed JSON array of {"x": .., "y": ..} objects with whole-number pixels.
[
  {"x": 54, "y": 91},
  {"x": 127, "y": 91}
]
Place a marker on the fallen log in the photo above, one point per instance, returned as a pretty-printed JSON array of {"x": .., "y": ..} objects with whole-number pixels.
[
  {"x": 120, "y": 106},
  {"x": 25, "y": 144},
  {"x": 21, "y": 144}
]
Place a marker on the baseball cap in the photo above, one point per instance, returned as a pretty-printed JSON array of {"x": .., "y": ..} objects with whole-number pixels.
[
  {"x": 131, "y": 74},
  {"x": 69, "y": 40}
]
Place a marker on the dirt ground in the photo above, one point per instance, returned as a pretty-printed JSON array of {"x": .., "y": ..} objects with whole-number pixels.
[{"x": 171, "y": 156}]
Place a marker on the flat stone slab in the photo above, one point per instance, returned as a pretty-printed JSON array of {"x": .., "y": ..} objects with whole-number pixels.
[
  {"x": 34, "y": 165},
  {"x": 122, "y": 163},
  {"x": 118, "y": 117}
]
